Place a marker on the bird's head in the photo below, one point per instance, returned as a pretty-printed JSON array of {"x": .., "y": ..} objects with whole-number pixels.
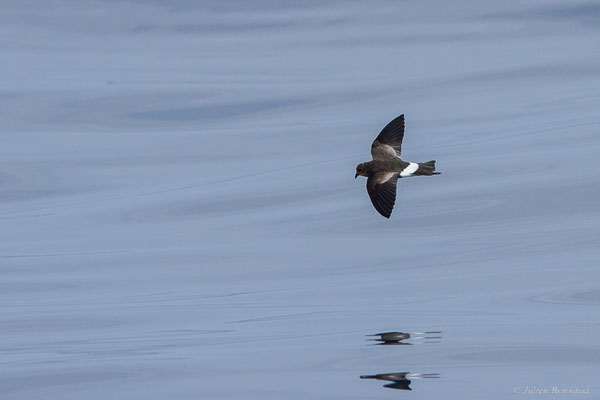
[{"x": 361, "y": 170}]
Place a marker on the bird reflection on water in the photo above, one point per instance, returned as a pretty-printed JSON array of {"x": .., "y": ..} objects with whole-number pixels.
[
  {"x": 400, "y": 380},
  {"x": 397, "y": 338}
]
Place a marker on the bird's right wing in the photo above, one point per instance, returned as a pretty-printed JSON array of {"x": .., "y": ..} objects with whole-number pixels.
[
  {"x": 388, "y": 144},
  {"x": 382, "y": 191}
]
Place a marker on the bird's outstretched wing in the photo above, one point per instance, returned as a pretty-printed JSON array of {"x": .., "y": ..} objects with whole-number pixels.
[
  {"x": 388, "y": 144},
  {"x": 382, "y": 191}
]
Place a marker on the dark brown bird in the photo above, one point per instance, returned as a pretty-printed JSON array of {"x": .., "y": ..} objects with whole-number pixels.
[{"x": 387, "y": 167}]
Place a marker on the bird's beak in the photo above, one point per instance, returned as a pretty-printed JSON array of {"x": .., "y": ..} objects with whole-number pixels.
[{"x": 356, "y": 176}]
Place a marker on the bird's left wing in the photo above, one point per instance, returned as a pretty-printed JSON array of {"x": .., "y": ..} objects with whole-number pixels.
[
  {"x": 388, "y": 144},
  {"x": 382, "y": 191}
]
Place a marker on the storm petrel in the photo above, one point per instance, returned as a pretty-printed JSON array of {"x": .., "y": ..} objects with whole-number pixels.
[{"x": 386, "y": 167}]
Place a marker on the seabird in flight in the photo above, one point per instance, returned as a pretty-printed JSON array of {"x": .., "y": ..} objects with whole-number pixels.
[{"x": 386, "y": 167}]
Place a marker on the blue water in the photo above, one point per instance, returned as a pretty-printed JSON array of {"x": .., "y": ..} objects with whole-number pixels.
[{"x": 180, "y": 217}]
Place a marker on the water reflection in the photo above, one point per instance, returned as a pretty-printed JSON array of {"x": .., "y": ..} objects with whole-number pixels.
[
  {"x": 400, "y": 380},
  {"x": 397, "y": 338}
]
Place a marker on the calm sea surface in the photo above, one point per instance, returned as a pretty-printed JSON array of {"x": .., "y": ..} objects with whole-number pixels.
[{"x": 179, "y": 218}]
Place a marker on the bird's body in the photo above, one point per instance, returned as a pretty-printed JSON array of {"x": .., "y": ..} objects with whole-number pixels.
[
  {"x": 393, "y": 165},
  {"x": 387, "y": 167}
]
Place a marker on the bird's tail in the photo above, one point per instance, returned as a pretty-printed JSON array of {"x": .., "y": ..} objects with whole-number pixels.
[{"x": 426, "y": 168}]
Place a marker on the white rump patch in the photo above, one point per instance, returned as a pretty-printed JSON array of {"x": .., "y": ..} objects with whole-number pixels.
[{"x": 408, "y": 171}]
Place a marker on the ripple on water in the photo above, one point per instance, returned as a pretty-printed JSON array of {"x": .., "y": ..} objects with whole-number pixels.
[
  {"x": 547, "y": 354},
  {"x": 585, "y": 297}
]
